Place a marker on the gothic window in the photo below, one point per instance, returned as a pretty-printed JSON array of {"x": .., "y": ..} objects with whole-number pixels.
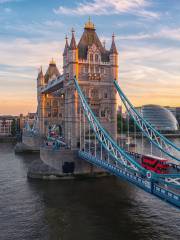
[
  {"x": 48, "y": 114},
  {"x": 48, "y": 104},
  {"x": 103, "y": 113},
  {"x": 102, "y": 70},
  {"x": 91, "y": 57},
  {"x": 96, "y": 58},
  {"x": 60, "y": 115},
  {"x": 94, "y": 93},
  {"x": 55, "y": 103},
  {"x": 105, "y": 95},
  {"x": 92, "y": 69},
  {"x": 55, "y": 112}
]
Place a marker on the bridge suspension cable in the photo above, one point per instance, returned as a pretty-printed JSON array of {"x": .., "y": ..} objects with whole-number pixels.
[
  {"x": 156, "y": 138},
  {"x": 116, "y": 152},
  {"x": 114, "y": 155}
]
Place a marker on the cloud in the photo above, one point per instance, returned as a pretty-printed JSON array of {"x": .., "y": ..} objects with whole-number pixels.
[
  {"x": 8, "y": 1},
  {"x": 7, "y": 10},
  {"x": 19, "y": 63},
  {"x": 48, "y": 29},
  {"x": 106, "y": 7},
  {"x": 163, "y": 33},
  {"x": 150, "y": 75},
  {"x": 22, "y": 52}
]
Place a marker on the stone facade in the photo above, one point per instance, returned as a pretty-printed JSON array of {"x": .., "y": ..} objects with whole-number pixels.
[{"x": 95, "y": 69}]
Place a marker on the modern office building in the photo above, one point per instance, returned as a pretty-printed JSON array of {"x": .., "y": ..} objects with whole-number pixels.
[{"x": 160, "y": 117}]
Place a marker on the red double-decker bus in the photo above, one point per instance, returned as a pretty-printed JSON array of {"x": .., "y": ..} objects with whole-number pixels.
[{"x": 155, "y": 164}]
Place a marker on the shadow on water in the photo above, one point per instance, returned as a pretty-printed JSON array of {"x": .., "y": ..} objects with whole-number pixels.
[{"x": 93, "y": 209}]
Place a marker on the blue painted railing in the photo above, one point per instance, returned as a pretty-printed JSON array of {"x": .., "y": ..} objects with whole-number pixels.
[{"x": 147, "y": 185}]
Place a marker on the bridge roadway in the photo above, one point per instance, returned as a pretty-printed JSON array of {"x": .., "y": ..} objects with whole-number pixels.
[{"x": 146, "y": 184}]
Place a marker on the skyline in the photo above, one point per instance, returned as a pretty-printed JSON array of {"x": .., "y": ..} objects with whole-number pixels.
[{"x": 147, "y": 38}]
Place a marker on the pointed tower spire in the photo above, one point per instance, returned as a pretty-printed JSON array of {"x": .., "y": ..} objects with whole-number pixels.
[
  {"x": 66, "y": 46},
  {"x": 73, "y": 41},
  {"x": 89, "y": 25},
  {"x": 113, "y": 49},
  {"x": 40, "y": 74},
  {"x": 52, "y": 62}
]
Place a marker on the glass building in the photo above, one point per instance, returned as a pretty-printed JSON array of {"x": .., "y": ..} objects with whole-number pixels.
[{"x": 159, "y": 117}]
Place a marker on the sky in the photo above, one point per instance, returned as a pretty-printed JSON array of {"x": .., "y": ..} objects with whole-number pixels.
[{"x": 147, "y": 38}]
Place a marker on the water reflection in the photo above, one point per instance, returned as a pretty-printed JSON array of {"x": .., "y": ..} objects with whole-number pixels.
[{"x": 106, "y": 208}]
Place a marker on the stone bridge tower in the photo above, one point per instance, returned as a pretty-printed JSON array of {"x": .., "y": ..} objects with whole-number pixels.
[
  {"x": 50, "y": 106},
  {"x": 95, "y": 67}
]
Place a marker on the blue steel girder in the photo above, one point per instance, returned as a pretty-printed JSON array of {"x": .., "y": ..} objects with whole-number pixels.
[
  {"x": 118, "y": 153},
  {"x": 156, "y": 138},
  {"x": 53, "y": 85}
]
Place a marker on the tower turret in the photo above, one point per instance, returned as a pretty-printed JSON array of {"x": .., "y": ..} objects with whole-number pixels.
[
  {"x": 73, "y": 41},
  {"x": 40, "y": 78},
  {"x": 114, "y": 58},
  {"x": 40, "y": 99},
  {"x": 73, "y": 57},
  {"x": 65, "y": 55}
]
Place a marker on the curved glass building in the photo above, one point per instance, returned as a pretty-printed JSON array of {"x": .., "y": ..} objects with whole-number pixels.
[{"x": 159, "y": 117}]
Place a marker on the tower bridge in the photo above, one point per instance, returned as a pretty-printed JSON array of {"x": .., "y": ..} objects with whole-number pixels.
[
  {"x": 95, "y": 68},
  {"x": 82, "y": 102}
]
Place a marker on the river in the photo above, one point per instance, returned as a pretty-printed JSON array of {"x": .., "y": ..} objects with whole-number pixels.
[{"x": 93, "y": 209}]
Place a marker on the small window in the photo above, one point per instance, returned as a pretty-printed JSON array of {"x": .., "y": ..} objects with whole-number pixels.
[
  {"x": 96, "y": 58},
  {"x": 105, "y": 95},
  {"x": 48, "y": 104},
  {"x": 55, "y": 113},
  {"x": 55, "y": 103},
  {"x": 103, "y": 114},
  {"x": 91, "y": 57}
]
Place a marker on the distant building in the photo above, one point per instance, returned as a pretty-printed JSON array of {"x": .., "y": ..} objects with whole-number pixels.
[
  {"x": 6, "y": 125},
  {"x": 30, "y": 118},
  {"x": 178, "y": 114},
  {"x": 160, "y": 117},
  {"x": 171, "y": 109}
]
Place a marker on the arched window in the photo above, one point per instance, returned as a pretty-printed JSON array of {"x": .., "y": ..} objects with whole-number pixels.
[
  {"x": 55, "y": 112},
  {"x": 55, "y": 103},
  {"x": 94, "y": 93},
  {"x": 96, "y": 58},
  {"x": 105, "y": 95},
  {"x": 91, "y": 57},
  {"x": 103, "y": 113}
]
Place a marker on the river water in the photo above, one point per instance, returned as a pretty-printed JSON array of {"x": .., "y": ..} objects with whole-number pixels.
[{"x": 94, "y": 209}]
